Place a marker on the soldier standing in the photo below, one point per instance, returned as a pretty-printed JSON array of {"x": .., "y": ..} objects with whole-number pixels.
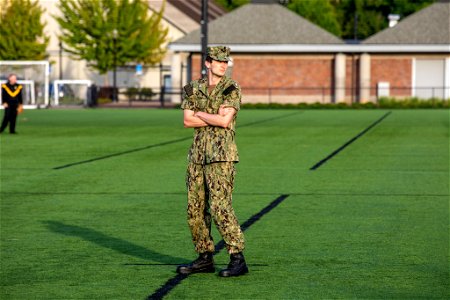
[
  {"x": 210, "y": 107},
  {"x": 12, "y": 102}
]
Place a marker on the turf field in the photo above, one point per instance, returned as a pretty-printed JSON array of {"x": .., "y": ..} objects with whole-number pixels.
[{"x": 93, "y": 206}]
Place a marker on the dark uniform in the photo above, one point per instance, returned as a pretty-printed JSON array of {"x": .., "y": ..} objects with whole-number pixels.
[
  {"x": 11, "y": 95},
  {"x": 210, "y": 174}
]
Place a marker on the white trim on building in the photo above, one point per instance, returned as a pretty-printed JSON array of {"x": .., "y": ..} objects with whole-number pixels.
[
  {"x": 346, "y": 48},
  {"x": 447, "y": 79},
  {"x": 413, "y": 77}
]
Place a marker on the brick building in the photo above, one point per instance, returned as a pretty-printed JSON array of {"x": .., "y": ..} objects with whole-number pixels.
[
  {"x": 278, "y": 56},
  {"x": 415, "y": 60}
]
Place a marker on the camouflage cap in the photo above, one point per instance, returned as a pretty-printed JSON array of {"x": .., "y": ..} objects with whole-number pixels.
[{"x": 220, "y": 53}]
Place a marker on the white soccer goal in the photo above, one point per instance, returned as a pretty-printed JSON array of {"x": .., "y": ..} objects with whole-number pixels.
[
  {"x": 71, "y": 92},
  {"x": 34, "y": 75}
]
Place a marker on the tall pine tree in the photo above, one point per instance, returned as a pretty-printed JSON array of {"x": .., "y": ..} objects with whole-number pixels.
[
  {"x": 99, "y": 30},
  {"x": 21, "y": 31}
]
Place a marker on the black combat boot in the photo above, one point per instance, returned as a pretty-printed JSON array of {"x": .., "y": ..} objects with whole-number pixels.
[
  {"x": 203, "y": 264},
  {"x": 236, "y": 267}
]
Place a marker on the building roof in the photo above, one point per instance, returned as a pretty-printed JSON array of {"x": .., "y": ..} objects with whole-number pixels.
[
  {"x": 193, "y": 9},
  {"x": 430, "y": 25},
  {"x": 184, "y": 15},
  {"x": 261, "y": 24}
]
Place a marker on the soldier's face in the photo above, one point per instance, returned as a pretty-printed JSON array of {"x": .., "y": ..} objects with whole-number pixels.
[
  {"x": 13, "y": 79},
  {"x": 218, "y": 68}
]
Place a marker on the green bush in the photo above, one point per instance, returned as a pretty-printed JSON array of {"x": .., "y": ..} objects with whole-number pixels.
[
  {"x": 131, "y": 93},
  {"x": 134, "y": 93},
  {"x": 147, "y": 92},
  {"x": 103, "y": 100},
  {"x": 413, "y": 102},
  {"x": 385, "y": 103}
]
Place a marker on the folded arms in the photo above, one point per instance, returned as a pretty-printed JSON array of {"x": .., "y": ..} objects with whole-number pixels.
[{"x": 223, "y": 119}]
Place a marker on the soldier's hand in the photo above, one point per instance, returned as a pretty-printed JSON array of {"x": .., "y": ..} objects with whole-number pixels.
[{"x": 5, "y": 105}]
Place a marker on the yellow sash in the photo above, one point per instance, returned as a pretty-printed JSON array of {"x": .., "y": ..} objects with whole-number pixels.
[{"x": 11, "y": 93}]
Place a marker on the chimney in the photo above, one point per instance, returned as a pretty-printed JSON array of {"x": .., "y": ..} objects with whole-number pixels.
[{"x": 393, "y": 19}]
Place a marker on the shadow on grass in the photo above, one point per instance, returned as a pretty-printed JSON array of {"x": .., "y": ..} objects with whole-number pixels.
[{"x": 112, "y": 243}]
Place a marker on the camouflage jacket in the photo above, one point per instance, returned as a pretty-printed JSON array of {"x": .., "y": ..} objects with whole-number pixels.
[{"x": 211, "y": 143}]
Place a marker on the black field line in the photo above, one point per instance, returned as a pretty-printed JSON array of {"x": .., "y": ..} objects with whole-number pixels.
[
  {"x": 177, "y": 279},
  {"x": 269, "y": 119},
  {"x": 177, "y": 264},
  {"x": 335, "y": 152},
  {"x": 159, "y": 144},
  {"x": 242, "y": 194},
  {"x": 122, "y": 153}
]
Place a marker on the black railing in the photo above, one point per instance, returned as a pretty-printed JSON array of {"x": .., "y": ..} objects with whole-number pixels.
[
  {"x": 331, "y": 94},
  {"x": 164, "y": 95}
]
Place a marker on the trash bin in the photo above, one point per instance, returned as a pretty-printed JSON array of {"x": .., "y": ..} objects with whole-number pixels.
[{"x": 92, "y": 96}]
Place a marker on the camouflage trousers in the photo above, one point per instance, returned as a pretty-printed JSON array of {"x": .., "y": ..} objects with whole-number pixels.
[{"x": 209, "y": 197}]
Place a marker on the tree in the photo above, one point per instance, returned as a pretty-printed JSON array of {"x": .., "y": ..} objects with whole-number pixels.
[
  {"x": 407, "y": 7},
  {"x": 338, "y": 16},
  {"x": 109, "y": 33},
  {"x": 372, "y": 15},
  {"x": 231, "y": 4},
  {"x": 320, "y": 12},
  {"x": 21, "y": 31}
]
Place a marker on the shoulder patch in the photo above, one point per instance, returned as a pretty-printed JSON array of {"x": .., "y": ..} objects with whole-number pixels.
[
  {"x": 188, "y": 89},
  {"x": 229, "y": 89}
]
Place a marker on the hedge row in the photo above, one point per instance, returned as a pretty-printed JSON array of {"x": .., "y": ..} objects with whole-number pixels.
[{"x": 390, "y": 103}]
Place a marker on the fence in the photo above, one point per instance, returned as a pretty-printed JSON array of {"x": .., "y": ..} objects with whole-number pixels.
[
  {"x": 330, "y": 94},
  {"x": 164, "y": 97},
  {"x": 146, "y": 96}
]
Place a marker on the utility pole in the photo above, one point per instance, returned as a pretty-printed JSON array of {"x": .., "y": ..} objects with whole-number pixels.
[
  {"x": 204, "y": 35},
  {"x": 114, "y": 95},
  {"x": 60, "y": 60},
  {"x": 355, "y": 38}
]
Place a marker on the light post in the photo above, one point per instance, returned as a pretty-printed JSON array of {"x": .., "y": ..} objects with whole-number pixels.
[
  {"x": 204, "y": 35},
  {"x": 60, "y": 60},
  {"x": 114, "y": 95}
]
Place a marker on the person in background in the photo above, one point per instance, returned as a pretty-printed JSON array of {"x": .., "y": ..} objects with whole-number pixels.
[{"x": 12, "y": 102}]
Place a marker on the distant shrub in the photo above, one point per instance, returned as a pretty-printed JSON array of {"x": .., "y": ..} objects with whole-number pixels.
[
  {"x": 414, "y": 102},
  {"x": 134, "y": 93},
  {"x": 103, "y": 100},
  {"x": 385, "y": 102},
  {"x": 131, "y": 93}
]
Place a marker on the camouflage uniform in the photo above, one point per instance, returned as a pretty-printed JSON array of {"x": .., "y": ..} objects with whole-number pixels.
[{"x": 211, "y": 170}]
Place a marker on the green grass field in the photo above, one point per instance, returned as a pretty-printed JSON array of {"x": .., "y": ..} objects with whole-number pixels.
[{"x": 371, "y": 222}]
